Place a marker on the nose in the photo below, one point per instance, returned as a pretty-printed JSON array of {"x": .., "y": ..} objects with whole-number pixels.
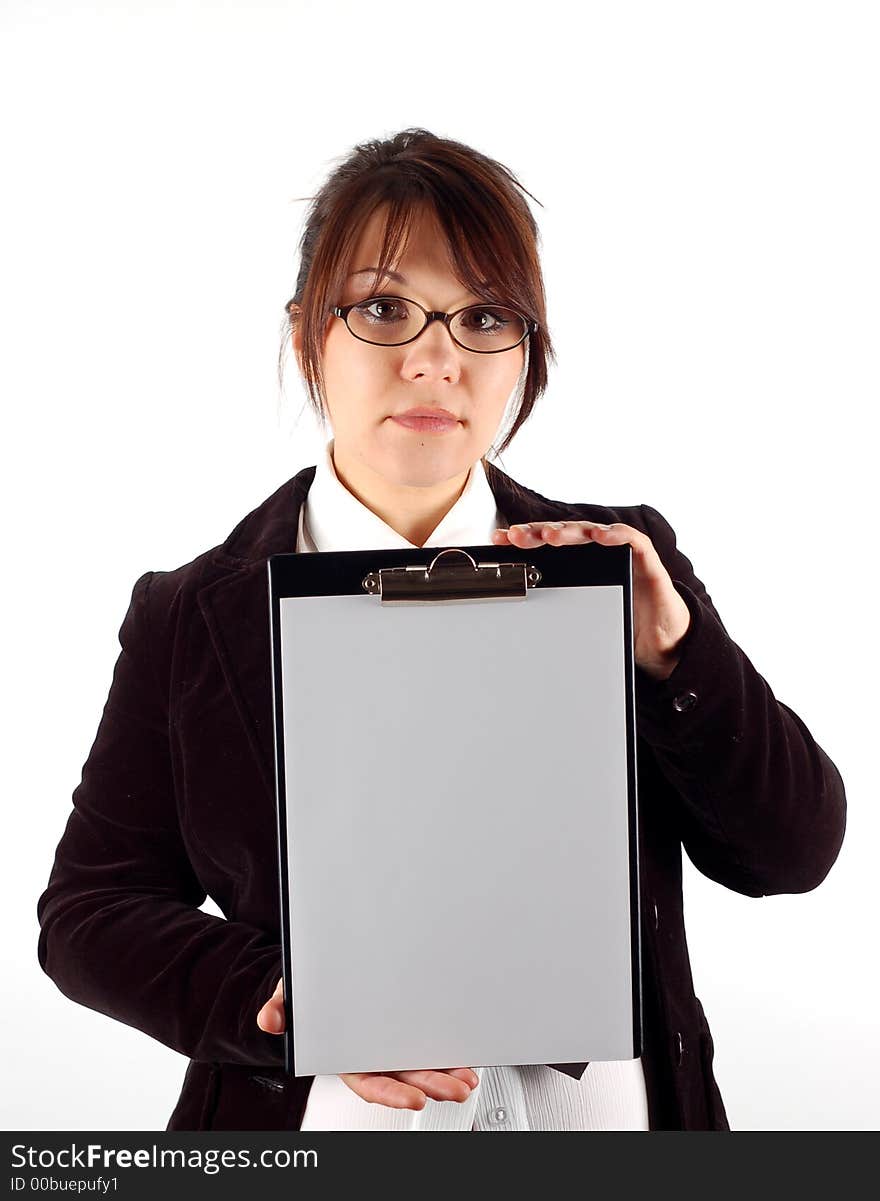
[{"x": 434, "y": 352}]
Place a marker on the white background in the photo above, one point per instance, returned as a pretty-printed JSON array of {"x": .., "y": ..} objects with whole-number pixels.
[{"x": 709, "y": 180}]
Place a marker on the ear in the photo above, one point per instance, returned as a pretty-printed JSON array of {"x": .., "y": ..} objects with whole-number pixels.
[{"x": 296, "y": 339}]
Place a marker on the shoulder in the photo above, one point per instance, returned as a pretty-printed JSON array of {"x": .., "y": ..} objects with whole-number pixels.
[
  {"x": 519, "y": 503},
  {"x": 170, "y": 592},
  {"x": 167, "y": 603},
  {"x": 268, "y": 528}
]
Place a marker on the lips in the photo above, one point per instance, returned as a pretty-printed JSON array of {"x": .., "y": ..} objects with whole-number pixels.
[
  {"x": 428, "y": 412},
  {"x": 431, "y": 421}
]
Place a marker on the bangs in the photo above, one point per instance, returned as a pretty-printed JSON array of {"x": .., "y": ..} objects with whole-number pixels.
[{"x": 485, "y": 255}]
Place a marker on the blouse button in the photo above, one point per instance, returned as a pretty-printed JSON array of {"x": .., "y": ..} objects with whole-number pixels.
[
  {"x": 499, "y": 1114},
  {"x": 684, "y": 701}
]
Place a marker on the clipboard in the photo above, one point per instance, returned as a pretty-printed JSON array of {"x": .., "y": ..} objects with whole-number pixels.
[{"x": 457, "y": 807}]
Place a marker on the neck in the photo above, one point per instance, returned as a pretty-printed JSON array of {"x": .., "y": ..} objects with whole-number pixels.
[{"x": 414, "y": 512}]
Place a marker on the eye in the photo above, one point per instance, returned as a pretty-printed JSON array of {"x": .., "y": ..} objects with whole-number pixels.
[
  {"x": 486, "y": 319},
  {"x": 381, "y": 310}
]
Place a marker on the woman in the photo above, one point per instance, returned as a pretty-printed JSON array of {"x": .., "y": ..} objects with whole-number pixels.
[{"x": 419, "y": 291}]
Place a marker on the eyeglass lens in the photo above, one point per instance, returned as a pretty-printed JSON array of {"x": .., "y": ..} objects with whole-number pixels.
[{"x": 390, "y": 321}]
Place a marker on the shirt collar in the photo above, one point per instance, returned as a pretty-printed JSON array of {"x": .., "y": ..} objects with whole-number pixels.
[{"x": 332, "y": 519}]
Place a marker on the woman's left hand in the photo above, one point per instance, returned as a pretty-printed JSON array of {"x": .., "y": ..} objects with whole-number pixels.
[{"x": 661, "y": 618}]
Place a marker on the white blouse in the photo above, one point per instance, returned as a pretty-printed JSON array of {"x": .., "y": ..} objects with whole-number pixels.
[{"x": 611, "y": 1094}]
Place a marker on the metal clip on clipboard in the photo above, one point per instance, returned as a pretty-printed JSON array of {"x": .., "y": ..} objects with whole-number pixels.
[{"x": 457, "y": 581}]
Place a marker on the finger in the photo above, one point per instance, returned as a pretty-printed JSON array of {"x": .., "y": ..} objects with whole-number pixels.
[
  {"x": 553, "y": 533},
  {"x": 618, "y": 532},
  {"x": 379, "y": 1089},
  {"x": 270, "y": 1020},
  {"x": 533, "y": 533},
  {"x": 442, "y": 1086},
  {"x": 526, "y": 535},
  {"x": 568, "y": 533},
  {"x": 647, "y": 563},
  {"x": 468, "y": 1075},
  {"x": 271, "y": 1016}
]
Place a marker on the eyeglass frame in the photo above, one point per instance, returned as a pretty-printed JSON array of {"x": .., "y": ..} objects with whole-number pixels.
[{"x": 433, "y": 315}]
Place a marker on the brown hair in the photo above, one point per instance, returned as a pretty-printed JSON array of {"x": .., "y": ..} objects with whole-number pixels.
[{"x": 492, "y": 235}]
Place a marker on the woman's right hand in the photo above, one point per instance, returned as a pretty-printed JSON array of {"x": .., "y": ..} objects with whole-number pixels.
[{"x": 398, "y": 1090}]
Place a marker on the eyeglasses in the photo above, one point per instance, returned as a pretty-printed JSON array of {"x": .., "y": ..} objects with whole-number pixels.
[{"x": 482, "y": 328}]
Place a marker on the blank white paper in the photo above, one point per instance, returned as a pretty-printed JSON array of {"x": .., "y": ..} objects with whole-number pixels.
[{"x": 457, "y": 830}]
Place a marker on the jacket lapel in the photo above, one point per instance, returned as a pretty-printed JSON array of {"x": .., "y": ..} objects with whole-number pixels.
[
  {"x": 235, "y": 608},
  {"x": 236, "y": 611}
]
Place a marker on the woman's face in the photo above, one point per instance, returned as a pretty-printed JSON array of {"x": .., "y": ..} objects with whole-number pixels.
[{"x": 367, "y": 384}]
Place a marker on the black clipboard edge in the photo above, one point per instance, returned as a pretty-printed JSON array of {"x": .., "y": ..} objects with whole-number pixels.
[
  {"x": 632, "y": 791},
  {"x": 281, "y": 818}
]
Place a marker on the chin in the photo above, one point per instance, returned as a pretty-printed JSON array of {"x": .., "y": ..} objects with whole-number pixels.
[
  {"x": 424, "y": 473},
  {"x": 426, "y": 460}
]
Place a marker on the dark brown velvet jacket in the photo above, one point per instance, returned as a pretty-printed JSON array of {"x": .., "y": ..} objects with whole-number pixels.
[{"x": 177, "y": 802}]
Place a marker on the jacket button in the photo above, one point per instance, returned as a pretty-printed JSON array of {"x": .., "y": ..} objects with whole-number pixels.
[
  {"x": 680, "y": 1048},
  {"x": 684, "y": 701},
  {"x": 656, "y": 917}
]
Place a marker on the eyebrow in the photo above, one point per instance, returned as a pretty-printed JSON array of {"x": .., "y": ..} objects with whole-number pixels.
[
  {"x": 395, "y": 275},
  {"x": 400, "y": 279}
]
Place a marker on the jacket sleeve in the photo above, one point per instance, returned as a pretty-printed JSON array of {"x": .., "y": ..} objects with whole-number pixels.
[
  {"x": 763, "y": 807},
  {"x": 120, "y": 927}
]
